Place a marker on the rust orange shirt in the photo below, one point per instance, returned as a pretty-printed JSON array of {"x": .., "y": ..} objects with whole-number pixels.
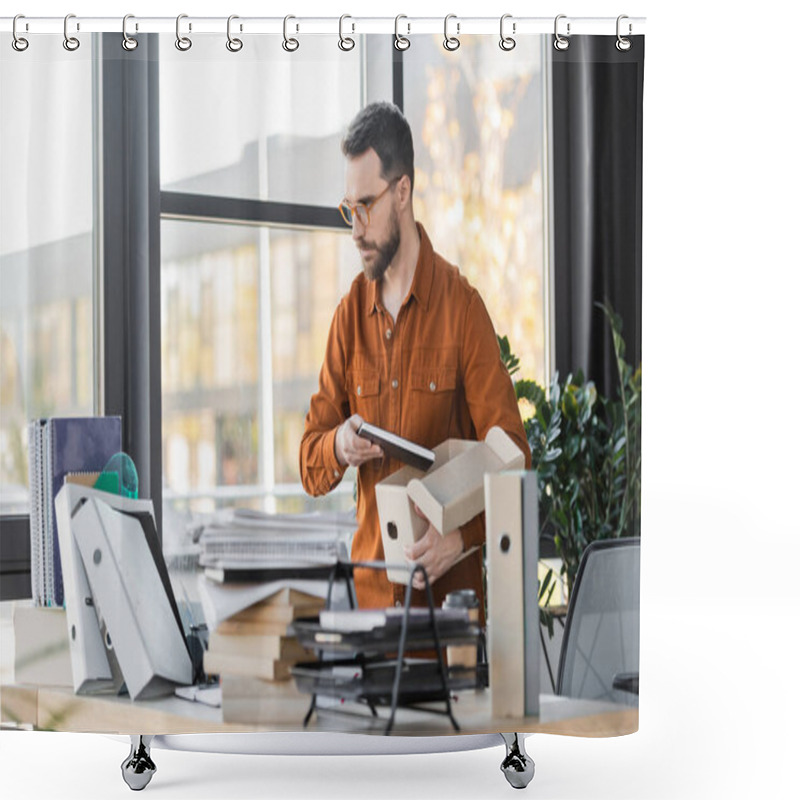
[{"x": 434, "y": 374}]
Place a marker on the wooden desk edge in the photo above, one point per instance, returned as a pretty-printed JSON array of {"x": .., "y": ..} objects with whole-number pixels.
[
  {"x": 60, "y": 710},
  {"x": 19, "y": 705}
]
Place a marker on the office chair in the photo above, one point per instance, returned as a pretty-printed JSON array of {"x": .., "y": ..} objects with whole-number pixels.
[{"x": 600, "y": 650}]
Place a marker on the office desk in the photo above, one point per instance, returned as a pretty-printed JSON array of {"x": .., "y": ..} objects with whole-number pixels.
[{"x": 59, "y": 709}]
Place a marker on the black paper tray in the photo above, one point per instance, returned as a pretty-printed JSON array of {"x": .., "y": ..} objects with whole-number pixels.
[
  {"x": 381, "y": 640},
  {"x": 372, "y": 681}
]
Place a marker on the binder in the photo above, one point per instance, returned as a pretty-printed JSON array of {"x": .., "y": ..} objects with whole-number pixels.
[
  {"x": 142, "y": 588},
  {"x": 73, "y": 444},
  {"x": 90, "y": 668},
  {"x": 512, "y": 549},
  {"x": 132, "y": 595}
]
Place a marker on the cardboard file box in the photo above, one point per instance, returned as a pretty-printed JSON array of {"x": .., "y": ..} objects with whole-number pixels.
[
  {"x": 41, "y": 645},
  {"x": 449, "y": 494},
  {"x": 512, "y": 557}
]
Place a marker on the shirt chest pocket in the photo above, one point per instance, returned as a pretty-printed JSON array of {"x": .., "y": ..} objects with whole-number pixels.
[
  {"x": 364, "y": 393},
  {"x": 432, "y": 403}
]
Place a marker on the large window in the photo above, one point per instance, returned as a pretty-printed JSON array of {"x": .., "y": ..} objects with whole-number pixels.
[
  {"x": 246, "y": 302},
  {"x": 244, "y": 318},
  {"x": 261, "y": 124},
  {"x": 47, "y": 364},
  {"x": 478, "y": 131}
]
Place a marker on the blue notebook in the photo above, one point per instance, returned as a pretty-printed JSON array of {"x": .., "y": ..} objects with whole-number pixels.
[{"x": 76, "y": 444}]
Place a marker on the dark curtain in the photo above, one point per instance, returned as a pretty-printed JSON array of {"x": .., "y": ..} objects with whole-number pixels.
[{"x": 597, "y": 185}]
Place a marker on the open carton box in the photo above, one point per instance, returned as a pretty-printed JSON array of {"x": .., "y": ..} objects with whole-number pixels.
[{"x": 449, "y": 494}]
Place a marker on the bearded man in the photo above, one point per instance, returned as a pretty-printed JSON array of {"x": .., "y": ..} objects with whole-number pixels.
[{"x": 411, "y": 349}]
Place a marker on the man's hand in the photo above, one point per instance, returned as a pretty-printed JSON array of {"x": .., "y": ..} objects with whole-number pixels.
[
  {"x": 352, "y": 449},
  {"x": 435, "y": 552}
]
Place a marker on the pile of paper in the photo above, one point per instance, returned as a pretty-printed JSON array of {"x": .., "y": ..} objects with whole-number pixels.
[{"x": 244, "y": 546}]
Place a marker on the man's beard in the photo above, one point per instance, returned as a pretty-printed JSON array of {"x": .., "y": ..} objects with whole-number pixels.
[{"x": 384, "y": 253}]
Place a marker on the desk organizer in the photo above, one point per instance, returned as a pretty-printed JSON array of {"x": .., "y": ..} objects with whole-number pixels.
[
  {"x": 449, "y": 494},
  {"x": 369, "y": 676}
]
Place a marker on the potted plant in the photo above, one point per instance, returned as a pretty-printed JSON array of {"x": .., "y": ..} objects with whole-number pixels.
[{"x": 586, "y": 450}]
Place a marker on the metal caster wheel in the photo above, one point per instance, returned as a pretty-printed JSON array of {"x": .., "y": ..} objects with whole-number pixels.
[
  {"x": 138, "y": 768},
  {"x": 517, "y": 766}
]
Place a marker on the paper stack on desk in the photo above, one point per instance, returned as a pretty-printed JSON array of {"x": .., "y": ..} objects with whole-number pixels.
[
  {"x": 261, "y": 572},
  {"x": 252, "y": 547}
]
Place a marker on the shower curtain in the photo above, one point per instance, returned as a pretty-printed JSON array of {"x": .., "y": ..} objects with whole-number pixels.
[{"x": 179, "y": 228}]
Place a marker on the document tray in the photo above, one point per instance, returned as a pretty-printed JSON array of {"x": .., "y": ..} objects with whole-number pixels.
[
  {"x": 372, "y": 681},
  {"x": 311, "y": 635}
]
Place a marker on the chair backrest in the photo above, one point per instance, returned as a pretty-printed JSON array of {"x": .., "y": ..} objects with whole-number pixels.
[{"x": 601, "y": 637}]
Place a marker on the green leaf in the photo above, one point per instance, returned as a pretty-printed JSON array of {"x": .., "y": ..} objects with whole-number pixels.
[{"x": 545, "y": 583}]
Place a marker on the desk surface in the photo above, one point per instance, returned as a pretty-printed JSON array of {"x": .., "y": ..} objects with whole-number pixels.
[{"x": 60, "y": 710}]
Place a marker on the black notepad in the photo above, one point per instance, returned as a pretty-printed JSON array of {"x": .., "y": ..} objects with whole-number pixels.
[{"x": 397, "y": 447}]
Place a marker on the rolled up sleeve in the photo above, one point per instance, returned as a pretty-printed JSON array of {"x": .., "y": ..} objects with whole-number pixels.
[{"x": 320, "y": 471}]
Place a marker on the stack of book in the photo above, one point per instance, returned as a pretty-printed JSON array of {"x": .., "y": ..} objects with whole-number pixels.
[
  {"x": 261, "y": 572},
  {"x": 257, "y": 642}
]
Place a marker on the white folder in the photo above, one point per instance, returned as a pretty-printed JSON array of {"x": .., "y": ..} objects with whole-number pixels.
[
  {"x": 93, "y": 660},
  {"x": 132, "y": 599},
  {"x": 512, "y": 551},
  {"x": 90, "y": 668}
]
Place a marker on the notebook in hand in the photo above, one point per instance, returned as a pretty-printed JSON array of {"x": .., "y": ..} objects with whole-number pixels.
[{"x": 397, "y": 447}]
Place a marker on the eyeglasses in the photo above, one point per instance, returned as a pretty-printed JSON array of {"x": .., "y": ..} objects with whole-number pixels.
[{"x": 361, "y": 210}]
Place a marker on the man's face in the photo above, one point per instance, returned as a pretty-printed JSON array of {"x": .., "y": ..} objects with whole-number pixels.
[{"x": 377, "y": 242}]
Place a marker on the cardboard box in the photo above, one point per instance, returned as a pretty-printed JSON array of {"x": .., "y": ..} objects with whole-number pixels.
[
  {"x": 449, "y": 494},
  {"x": 512, "y": 559},
  {"x": 41, "y": 645}
]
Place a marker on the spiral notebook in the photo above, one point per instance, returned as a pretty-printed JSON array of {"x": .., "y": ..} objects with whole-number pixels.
[{"x": 58, "y": 446}]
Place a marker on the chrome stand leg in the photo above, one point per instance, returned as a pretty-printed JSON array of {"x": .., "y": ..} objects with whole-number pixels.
[
  {"x": 138, "y": 768},
  {"x": 518, "y": 766}
]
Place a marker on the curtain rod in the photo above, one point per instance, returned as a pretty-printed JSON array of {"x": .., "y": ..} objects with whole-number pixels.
[{"x": 348, "y": 25}]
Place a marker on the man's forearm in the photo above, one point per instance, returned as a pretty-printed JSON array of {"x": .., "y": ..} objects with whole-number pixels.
[{"x": 320, "y": 470}]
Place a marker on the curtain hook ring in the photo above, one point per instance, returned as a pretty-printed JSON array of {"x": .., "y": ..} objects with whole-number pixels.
[
  {"x": 623, "y": 44},
  {"x": 19, "y": 43},
  {"x": 561, "y": 42},
  {"x": 507, "y": 42},
  {"x": 128, "y": 42},
  {"x": 290, "y": 44},
  {"x": 183, "y": 43},
  {"x": 451, "y": 43},
  {"x": 345, "y": 42},
  {"x": 401, "y": 42},
  {"x": 233, "y": 44},
  {"x": 71, "y": 43}
]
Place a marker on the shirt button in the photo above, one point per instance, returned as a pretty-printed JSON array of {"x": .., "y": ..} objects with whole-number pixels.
[
  {"x": 433, "y": 386},
  {"x": 388, "y": 333},
  {"x": 395, "y": 384},
  {"x": 358, "y": 391},
  {"x": 336, "y": 473}
]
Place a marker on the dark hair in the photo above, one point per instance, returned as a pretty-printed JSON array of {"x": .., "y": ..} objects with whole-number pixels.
[{"x": 382, "y": 127}]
